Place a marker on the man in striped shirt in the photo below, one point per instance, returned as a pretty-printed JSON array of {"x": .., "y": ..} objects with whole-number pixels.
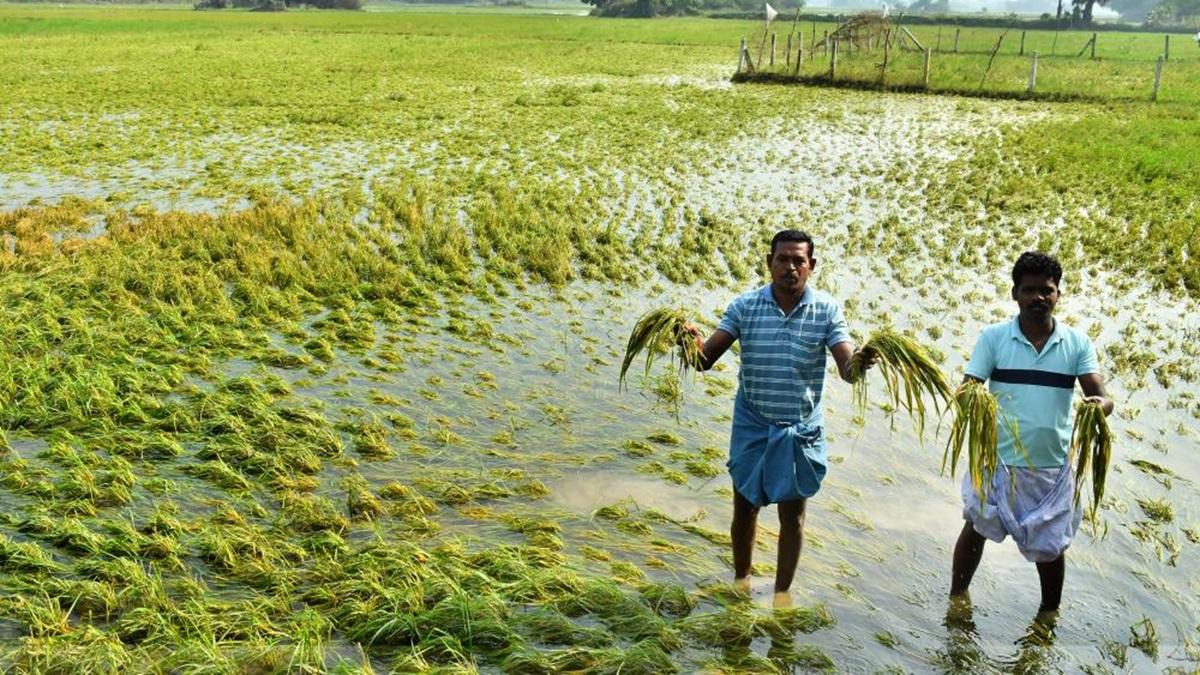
[
  {"x": 777, "y": 446},
  {"x": 1031, "y": 363}
]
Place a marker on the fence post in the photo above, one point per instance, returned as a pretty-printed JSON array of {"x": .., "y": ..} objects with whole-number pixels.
[
  {"x": 939, "y": 40},
  {"x": 1157, "y": 77},
  {"x": 1093, "y": 46},
  {"x": 799, "y": 53},
  {"x": 825, "y": 39},
  {"x": 787, "y": 55},
  {"x": 741, "y": 55},
  {"x": 772, "y": 61},
  {"x": 1022, "y": 52},
  {"x": 1032, "y": 74},
  {"x": 928, "y": 57},
  {"x": 833, "y": 61},
  {"x": 1166, "y": 47},
  {"x": 887, "y": 50},
  {"x": 956, "y": 32}
]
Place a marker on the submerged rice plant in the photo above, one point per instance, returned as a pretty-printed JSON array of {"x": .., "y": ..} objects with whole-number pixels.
[
  {"x": 909, "y": 373},
  {"x": 1091, "y": 447}
]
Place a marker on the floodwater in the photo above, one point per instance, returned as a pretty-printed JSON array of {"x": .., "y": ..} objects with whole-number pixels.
[{"x": 880, "y": 532}]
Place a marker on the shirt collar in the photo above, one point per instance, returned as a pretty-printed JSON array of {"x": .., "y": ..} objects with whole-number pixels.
[
  {"x": 806, "y": 298},
  {"x": 1014, "y": 333}
]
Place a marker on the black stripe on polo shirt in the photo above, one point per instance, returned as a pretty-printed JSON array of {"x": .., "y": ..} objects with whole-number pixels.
[{"x": 1041, "y": 378}]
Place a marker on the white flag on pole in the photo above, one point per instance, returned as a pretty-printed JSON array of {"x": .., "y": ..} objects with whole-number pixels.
[{"x": 771, "y": 13}]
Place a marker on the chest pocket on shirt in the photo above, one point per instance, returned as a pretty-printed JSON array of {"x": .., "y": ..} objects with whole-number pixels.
[{"x": 807, "y": 349}]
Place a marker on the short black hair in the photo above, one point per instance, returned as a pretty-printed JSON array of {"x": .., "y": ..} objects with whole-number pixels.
[
  {"x": 792, "y": 235},
  {"x": 1033, "y": 262}
]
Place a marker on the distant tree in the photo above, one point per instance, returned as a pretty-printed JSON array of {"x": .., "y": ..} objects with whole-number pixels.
[{"x": 1082, "y": 10}]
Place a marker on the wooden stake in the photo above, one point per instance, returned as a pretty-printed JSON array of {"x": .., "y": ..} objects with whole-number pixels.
[
  {"x": 928, "y": 58},
  {"x": 1093, "y": 46},
  {"x": 799, "y": 53},
  {"x": 1157, "y": 77},
  {"x": 1022, "y": 52},
  {"x": 787, "y": 55},
  {"x": 833, "y": 61},
  {"x": 1032, "y": 74},
  {"x": 1166, "y": 47},
  {"x": 772, "y": 61},
  {"x": 825, "y": 41},
  {"x": 741, "y": 55},
  {"x": 887, "y": 50},
  {"x": 956, "y": 33},
  {"x": 912, "y": 37}
]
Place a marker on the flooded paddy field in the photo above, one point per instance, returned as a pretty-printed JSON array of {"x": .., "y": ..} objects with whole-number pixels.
[{"x": 313, "y": 326}]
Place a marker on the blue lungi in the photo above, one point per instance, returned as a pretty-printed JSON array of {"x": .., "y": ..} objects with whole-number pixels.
[{"x": 772, "y": 462}]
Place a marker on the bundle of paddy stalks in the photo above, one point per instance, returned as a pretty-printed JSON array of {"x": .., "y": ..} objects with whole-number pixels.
[
  {"x": 975, "y": 418},
  {"x": 909, "y": 374},
  {"x": 662, "y": 331},
  {"x": 1091, "y": 447}
]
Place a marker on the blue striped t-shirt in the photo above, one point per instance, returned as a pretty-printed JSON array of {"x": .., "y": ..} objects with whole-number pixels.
[{"x": 783, "y": 356}]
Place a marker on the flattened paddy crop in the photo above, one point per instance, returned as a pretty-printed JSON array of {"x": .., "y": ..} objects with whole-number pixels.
[{"x": 313, "y": 324}]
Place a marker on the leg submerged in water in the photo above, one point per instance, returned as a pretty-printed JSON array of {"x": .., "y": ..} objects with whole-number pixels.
[
  {"x": 1051, "y": 575},
  {"x": 741, "y": 532},
  {"x": 791, "y": 541},
  {"x": 968, "y": 551}
]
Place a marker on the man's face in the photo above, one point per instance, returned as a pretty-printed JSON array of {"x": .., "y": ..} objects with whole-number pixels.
[
  {"x": 790, "y": 266},
  {"x": 1036, "y": 296}
]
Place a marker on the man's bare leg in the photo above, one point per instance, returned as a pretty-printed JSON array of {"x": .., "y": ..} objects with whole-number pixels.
[
  {"x": 1051, "y": 574},
  {"x": 967, "y": 554},
  {"x": 791, "y": 540},
  {"x": 745, "y": 520}
]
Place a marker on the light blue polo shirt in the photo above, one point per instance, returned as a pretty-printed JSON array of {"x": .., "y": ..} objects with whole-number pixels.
[
  {"x": 783, "y": 356},
  {"x": 1033, "y": 388}
]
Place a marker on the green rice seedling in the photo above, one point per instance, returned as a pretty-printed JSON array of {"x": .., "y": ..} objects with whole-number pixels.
[
  {"x": 909, "y": 375},
  {"x": 1091, "y": 448},
  {"x": 668, "y": 600},
  {"x": 548, "y": 627},
  {"x": 360, "y": 501},
  {"x": 658, "y": 331},
  {"x": 1158, "y": 510},
  {"x": 312, "y": 513},
  {"x": 87, "y": 650},
  {"x": 309, "y": 631},
  {"x": 974, "y": 426},
  {"x": 18, "y": 557},
  {"x": 43, "y": 615}
]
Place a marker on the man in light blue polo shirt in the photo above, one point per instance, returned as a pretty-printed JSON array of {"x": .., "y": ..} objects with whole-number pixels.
[
  {"x": 777, "y": 447},
  {"x": 1031, "y": 363}
]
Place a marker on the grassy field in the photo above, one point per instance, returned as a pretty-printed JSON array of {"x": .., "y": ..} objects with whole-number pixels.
[{"x": 313, "y": 326}]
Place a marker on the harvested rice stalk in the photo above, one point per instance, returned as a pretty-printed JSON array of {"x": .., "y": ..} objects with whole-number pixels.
[
  {"x": 661, "y": 331},
  {"x": 975, "y": 414},
  {"x": 909, "y": 373},
  {"x": 1091, "y": 445}
]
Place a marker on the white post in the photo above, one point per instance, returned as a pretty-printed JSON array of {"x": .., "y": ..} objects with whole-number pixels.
[
  {"x": 799, "y": 53},
  {"x": 741, "y": 55},
  {"x": 833, "y": 60},
  {"x": 1157, "y": 77},
  {"x": 1032, "y": 74},
  {"x": 928, "y": 57}
]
